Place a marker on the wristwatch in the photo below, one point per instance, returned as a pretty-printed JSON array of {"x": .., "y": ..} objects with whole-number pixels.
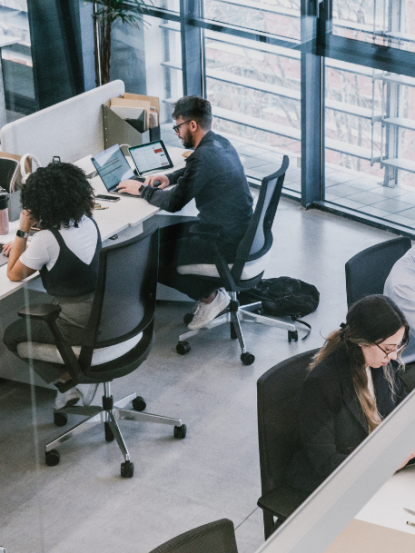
[{"x": 22, "y": 234}]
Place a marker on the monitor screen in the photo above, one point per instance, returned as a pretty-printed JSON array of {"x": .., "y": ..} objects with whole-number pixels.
[
  {"x": 151, "y": 157},
  {"x": 112, "y": 166}
]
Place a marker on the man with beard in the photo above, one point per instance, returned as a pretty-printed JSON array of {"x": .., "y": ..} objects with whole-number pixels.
[{"x": 215, "y": 178}]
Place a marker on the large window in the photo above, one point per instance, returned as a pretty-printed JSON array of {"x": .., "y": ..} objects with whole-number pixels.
[
  {"x": 385, "y": 22},
  {"x": 255, "y": 93},
  {"x": 16, "y": 56}
]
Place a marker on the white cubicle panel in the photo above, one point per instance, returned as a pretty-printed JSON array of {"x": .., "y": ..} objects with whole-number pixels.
[
  {"x": 350, "y": 492},
  {"x": 70, "y": 129}
]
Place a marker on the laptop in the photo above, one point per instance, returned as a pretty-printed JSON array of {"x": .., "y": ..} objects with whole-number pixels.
[
  {"x": 3, "y": 258},
  {"x": 150, "y": 158},
  {"x": 113, "y": 168}
]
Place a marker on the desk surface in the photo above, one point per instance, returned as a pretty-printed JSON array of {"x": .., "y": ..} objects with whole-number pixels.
[
  {"x": 127, "y": 212},
  {"x": 386, "y": 508}
]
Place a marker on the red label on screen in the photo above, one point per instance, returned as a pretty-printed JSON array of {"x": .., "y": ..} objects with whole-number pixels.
[{"x": 158, "y": 151}]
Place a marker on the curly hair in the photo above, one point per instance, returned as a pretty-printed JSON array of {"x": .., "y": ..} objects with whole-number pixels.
[
  {"x": 58, "y": 195},
  {"x": 194, "y": 108}
]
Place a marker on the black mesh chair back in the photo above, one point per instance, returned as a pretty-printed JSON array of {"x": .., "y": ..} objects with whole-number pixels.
[
  {"x": 125, "y": 297},
  {"x": 367, "y": 271},
  {"x": 215, "y": 537},
  {"x": 258, "y": 238},
  {"x": 278, "y": 391}
]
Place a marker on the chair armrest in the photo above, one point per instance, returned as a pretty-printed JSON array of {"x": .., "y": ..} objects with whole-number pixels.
[
  {"x": 41, "y": 311},
  {"x": 48, "y": 313},
  {"x": 212, "y": 232}
]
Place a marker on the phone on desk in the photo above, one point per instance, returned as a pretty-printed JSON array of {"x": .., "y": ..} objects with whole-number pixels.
[{"x": 107, "y": 198}]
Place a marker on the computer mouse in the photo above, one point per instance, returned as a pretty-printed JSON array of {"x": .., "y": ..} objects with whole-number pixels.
[{"x": 156, "y": 183}]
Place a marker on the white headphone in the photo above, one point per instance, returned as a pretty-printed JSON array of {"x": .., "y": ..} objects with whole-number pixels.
[{"x": 24, "y": 175}]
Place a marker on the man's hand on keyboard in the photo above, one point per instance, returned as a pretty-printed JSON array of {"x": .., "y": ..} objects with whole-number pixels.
[{"x": 130, "y": 187}]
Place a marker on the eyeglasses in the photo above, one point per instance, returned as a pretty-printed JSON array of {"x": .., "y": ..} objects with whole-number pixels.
[
  {"x": 177, "y": 127},
  {"x": 397, "y": 350}
]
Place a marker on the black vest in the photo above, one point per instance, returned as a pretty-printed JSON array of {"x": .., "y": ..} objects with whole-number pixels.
[{"x": 70, "y": 277}]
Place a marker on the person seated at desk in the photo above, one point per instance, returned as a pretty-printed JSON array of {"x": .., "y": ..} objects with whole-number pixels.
[
  {"x": 215, "y": 178},
  {"x": 59, "y": 200},
  {"x": 352, "y": 385}
]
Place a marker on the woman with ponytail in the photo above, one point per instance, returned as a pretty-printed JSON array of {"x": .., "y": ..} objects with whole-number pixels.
[{"x": 351, "y": 387}]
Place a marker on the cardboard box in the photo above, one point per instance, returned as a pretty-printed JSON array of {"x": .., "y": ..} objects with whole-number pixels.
[{"x": 118, "y": 131}]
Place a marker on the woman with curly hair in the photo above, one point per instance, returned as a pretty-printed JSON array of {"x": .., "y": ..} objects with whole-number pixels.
[
  {"x": 352, "y": 385},
  {"x": 59, "y": 200}
]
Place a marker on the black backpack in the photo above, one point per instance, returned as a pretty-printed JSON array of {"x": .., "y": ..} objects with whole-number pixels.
[{"x": 284, "y": 296}]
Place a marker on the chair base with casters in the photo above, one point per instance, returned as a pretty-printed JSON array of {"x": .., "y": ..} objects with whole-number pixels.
[
  {"x": 235, "y": 313},
  {"x": 243, "y": 273},
  {"x": 117, "y": 339},
  {"x": 109, "y": 415}
]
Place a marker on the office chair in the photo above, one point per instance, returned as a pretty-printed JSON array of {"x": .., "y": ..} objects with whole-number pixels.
[
  {"x": 367, "y": 271},
  {"x": 118, "y": 338},
  {"x": 278, "y": 392},
  {"x": 251, "y": 259},
  {"x": 217, "y": 537}
]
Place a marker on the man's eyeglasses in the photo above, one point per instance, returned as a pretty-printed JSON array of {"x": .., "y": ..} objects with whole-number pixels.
[
  {"x": 397, "y": 350},
  {"x": 177, "y": 127}
]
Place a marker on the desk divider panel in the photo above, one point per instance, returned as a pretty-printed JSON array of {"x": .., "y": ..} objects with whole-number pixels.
[{"x": 71, "y": 129}]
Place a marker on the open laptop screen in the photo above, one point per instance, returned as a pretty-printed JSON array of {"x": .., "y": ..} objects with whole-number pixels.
[
  {"x": 151, "y": 157},
  {"x": 112, "y": 167}
]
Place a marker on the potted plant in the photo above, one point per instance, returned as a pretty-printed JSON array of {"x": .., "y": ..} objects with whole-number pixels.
[{"x": 106, "y": 14}]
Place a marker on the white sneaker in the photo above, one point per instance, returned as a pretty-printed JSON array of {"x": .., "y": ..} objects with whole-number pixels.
[
  {"x": 87, "y": 392},
  {"x": 67, "y": 399},
  {"x": 208, "y": 311}
]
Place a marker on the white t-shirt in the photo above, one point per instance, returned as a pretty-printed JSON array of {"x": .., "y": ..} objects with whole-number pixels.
[{"x": 43, "y": 249}]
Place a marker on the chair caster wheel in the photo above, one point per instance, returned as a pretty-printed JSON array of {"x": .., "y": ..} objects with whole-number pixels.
[
  {"x": 188, "y": 318},
  {"x": 109, "y": 436},
  {"x": 60, "y": 419},
  {"x": 180, "y": 432},
  {"x": 182, "y": 348},
  {"x": 292, "y": 335},
  {"x": 139, "y": 404},
  {"x": 52, "y": 457},
  {"x": 127, "y": 469},
  {"x": 247, "y": 358}
]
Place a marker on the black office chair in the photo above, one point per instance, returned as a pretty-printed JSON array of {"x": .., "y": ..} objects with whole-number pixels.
[
  {"x": 247, "y": 270},
  {"x": 278, "y": 393},
  {"x": 118, "y": 338},
  {"x": 366, "y": 274},
  {"x": 215, "y": 537},
  {"x": 367, "y": 271}
]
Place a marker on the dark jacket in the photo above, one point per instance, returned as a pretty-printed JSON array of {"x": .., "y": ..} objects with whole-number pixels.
[
  {"x": 215, "y": 178},
  {"x": 331, "y": 421}
]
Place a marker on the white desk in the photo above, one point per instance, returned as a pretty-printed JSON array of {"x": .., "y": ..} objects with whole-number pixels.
[
  {"x": 386, "y": 508},
  {"x": 380, "y": 527},
  {"x": 128, "y": 212}
]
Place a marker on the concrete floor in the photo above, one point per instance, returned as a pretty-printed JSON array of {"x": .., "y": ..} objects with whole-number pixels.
[{"x": 83, "y": 505}]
